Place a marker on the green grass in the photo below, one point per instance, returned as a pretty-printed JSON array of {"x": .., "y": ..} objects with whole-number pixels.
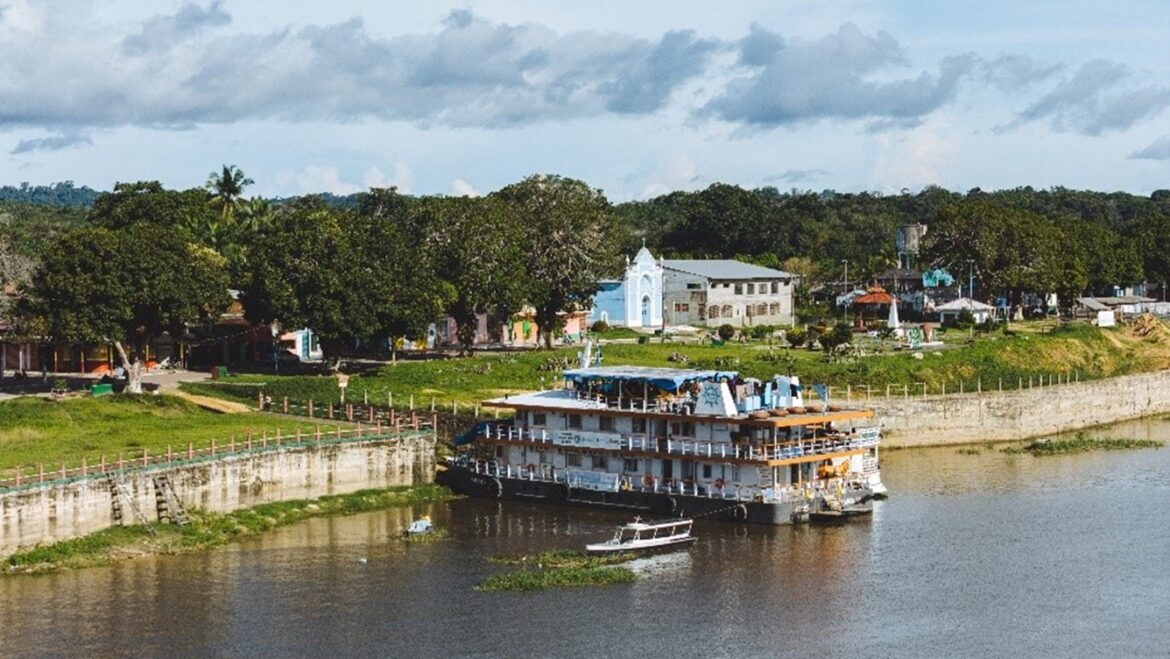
[
  {"x": 561, "y": 558},
  {"x": 41, "y": 431},
  {"x": 1031, "y": 352},
  {"x": 1082, "y": 443},
  {"x": 209, "y": 529}
]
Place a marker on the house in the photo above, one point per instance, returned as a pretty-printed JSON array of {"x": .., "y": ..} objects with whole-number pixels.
[
  {"x": 633, "y": 301},
  {"x": 950, "y": 311},
  {"x": 713, "y": 292}
]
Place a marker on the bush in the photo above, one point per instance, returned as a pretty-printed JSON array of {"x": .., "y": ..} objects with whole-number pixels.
[
  {"x": 599, "y": 327},
  {"x": 726, "y": 331},
  {"x": 965, "y": 320},
  {"x": 839, "y": 335},
  {"x": 761, "y": 331},
  {"x": 643, "y": 339},
  {"x": 796, "y": 337}
]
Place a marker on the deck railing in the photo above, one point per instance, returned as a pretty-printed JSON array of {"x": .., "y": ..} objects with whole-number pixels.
[{"x": 724, "y": 450}]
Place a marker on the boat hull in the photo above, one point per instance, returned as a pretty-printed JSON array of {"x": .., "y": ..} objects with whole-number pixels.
[
  {"x": 471, "y": 483},
  {"x": 644, "y": 547}
]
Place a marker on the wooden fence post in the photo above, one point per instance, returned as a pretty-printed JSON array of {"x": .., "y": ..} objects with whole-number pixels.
[
  {"x": 285, "y": 404},
  {"x": 310, "y": 408}
]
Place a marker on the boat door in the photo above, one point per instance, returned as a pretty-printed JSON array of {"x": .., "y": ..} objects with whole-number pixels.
[{"x": 667, "y": 470}]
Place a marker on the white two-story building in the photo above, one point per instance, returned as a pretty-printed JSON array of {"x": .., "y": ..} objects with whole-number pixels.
[{"x": 713, "y": 292}]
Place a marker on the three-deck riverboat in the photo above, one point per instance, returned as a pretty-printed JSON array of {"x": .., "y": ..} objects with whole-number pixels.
[{"x": 691, "y": 443}]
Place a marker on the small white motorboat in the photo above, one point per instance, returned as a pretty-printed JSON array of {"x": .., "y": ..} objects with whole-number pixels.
[
  {"x": 643, "y": 536},
  {"x": 419, "y": 526}
]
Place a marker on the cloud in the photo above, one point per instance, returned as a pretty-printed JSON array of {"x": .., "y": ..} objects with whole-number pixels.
[
  {"x": 403, "y": 178},
  {"x": 797, "y": 175},
  {"x": 461, "y": 188},
  {"x": 180, "y": 70},
  {"x": 319, "y": 178},
  {"x": 1159, "y": 150},
  {"x": 52, "y": 143},
  {"x": 1097, "y": 99},
  {"x": 846, "y": 75},
  {"x": 1015, "y": 72}
]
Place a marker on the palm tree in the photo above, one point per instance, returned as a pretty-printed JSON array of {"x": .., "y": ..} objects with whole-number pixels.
[{"x": 226, "y": 188}]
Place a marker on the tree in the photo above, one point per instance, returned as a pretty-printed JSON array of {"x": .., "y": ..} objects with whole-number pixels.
[
  {"x": 226, "y": 187},
  {"x": 126, "y": 287},
  {"x": 476, "y": 244},
  {"x": 148, "y": 201},
  {"x": 568, "y": 244}
]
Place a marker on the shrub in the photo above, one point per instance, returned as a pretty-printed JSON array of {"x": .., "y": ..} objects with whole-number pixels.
[
  {"x": 965, "y": 319},
  {"x": 796, "y": 337},
  {"x": 643, "y": 339},
  {"x": 726, "y": 331},
  {"x": 840, "y": 334},
  {"x": 599, "y": 327},
  {"x": 761, "y": 331}
]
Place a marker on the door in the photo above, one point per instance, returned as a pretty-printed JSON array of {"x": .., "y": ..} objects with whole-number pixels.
[
  {"x": 667, "y": 470},
  {"x": 646, "y": 311}
]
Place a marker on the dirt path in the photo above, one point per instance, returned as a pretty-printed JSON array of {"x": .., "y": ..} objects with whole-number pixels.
[{"x": 212, "y": 404}]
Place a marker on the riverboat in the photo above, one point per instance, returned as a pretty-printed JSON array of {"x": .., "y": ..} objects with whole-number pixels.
[
  {"x": 683, "y": 443},
  {"x": 639, "y": 536}
]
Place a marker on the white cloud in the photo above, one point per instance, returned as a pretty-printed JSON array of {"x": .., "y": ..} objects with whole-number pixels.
[
  {"x": 461, "y": 188},
  {"x": 319, "y": 178},
  {"x": 403, "y": 178}
]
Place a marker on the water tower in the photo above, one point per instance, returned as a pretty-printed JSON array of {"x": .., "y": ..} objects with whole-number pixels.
[{"x": 909, "y": 237}]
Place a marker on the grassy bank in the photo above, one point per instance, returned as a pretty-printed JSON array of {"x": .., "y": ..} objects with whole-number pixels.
[
  {"x": 1030, "y": 352},
  {"x": 558, "y": 568},
  {"x": 209, "y": 529},
  {"x": 42, "y": 431},
  {"x": 1082, "y": 443}
]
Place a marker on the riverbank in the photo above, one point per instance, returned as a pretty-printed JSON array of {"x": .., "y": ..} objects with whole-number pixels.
[{"x": 207, "y": 530}]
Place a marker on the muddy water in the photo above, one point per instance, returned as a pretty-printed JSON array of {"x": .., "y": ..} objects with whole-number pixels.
[{"x": 977, "y": 555}]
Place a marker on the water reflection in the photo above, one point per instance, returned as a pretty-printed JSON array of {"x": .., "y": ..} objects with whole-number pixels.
[{"x": 988, "y": 554}]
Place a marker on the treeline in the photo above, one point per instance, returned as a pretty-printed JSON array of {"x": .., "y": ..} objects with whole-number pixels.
[
  {"x": 63, "y": 194},
  {"x": 147, "y": 261}
]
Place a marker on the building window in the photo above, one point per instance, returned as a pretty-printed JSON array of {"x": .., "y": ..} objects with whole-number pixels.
[
  {"x": 682, "y": 307},
  {"x": 774, "y": 309},
  {"x": 751, "y": 289},
  {"x": 539, "y": 419},
  {"x": 761, "y": 310},
  {"x": 713, "y": 312},
  {"x": 739, "y": 289},
  {"x": 692, "y": 286},
  {"x": 605, "y": 423},
  {"x": 775, "y": 288},
  {"x": 575, "y": 421},
  {"x": 702, "y": 311},
  {"x": 572, "y": 459},
  {"x": 600, "y": 461},
  {"x": 639, "y": 425},
  {"x": 725, "y": 311},
  {"x": 630, "y": 465}
]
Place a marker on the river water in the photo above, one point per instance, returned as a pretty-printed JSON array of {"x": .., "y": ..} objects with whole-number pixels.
[{"x": 973, "y": 555}]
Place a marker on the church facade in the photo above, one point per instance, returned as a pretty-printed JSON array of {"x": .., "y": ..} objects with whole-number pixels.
[{"x": 635, "y": 300}]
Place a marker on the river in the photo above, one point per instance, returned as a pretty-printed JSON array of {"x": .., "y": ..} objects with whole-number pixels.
[{"x": 973, "y": 555}]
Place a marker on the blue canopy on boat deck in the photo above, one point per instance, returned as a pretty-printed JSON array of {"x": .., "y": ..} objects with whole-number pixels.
[{"x": 667, "y": 379}]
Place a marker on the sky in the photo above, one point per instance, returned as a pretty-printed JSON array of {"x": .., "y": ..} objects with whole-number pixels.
[{"x": 635, "y": 98}]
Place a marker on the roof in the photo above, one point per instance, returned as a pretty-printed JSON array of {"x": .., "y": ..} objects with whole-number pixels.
[
  {"x": 670, "y": 379},
  {"x": 875, "y": 295},
  {"x": 1108, "y": 302},
  {"x": 900, "y": 273},
  {"x": 1092, "y": 304},
  {"x": 723, "y": 269},
  {"x": 964, "y": 303}
]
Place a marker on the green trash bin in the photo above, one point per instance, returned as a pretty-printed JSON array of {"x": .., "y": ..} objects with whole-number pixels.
[{"x": 101, "y": 390}]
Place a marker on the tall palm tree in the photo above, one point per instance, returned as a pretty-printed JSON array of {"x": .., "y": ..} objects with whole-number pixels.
[{"x": 226, "y": 188}]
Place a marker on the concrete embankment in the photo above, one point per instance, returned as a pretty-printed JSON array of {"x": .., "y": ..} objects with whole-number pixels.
[
  {"x": 42, "y": 513},
  {"x": 990, "y": 416}
]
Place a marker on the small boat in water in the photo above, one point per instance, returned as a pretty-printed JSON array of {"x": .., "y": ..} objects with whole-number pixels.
[
  {"x": 642, "y": 536},
  {"x": 420, "y": 526}
]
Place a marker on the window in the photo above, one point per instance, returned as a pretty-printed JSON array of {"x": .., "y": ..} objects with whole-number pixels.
[
  {"x": 775, "y": 287},
  {"x": 538, "y": 419},
  {"x": 706, "y": 471},
  {"x": 725, "y": 311},
  {"x": 575, "y": 421},
  {"x": 761, "y": 310},
  {"x": 546, "y": 457},
  {"x": 682, "y": 307},
  {"x": 605, "y": 423},
  {"x": 713, "y": 312},
  {"x": 774, "y": 309},
  {"x": 630, "y": 465},
  {"x": 685, "y": 429},
  {"x": 639, "y": 425},
  {"x": 751, "y": 289},
  {"x": 600, "y": 462},
  {"x": 572, "y": 459},
  {"x": 692, "y": 286},
  {"x": 739, "y": 289}
]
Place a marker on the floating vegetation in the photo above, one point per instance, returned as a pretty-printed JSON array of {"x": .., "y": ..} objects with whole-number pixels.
[
  {"x": 428, "y": 537},
  {"x": 969, "y": 451},
  {"x": 557, "y": 577},
  {"x": 1082, "y": 443},
  {"x": 558, "y": 568}
]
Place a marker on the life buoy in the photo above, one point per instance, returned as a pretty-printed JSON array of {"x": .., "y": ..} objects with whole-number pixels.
[
  {"x": 648, "y": 481},
  {"x": 740, "y": 512},
  {"x": 719, "y": 483},
  {"x": 673, "y": 504},
  {"x": 499, "y": 488}
]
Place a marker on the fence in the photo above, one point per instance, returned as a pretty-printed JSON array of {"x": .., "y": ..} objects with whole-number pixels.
[
  {"x": 34, "y": 476},
  {"x": 864, "y": 393}
]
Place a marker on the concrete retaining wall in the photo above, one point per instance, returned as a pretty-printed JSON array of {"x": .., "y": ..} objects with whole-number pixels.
[
  {"x": 52, "y": 512},
  {"x": 1014, "y": 415}
]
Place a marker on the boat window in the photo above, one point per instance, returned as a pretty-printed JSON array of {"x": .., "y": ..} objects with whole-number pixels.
[
  {"x": 630, "y": 465},
  {"x": 573, "y": 459},
  {"x": 706, "y": 471},
  {"x": 605, "y": 423},
  {"x": 639, "y": 425},
  {"x": 538, "y": 419},
  {"x": 600, "y": 462},
  {"x": 574, "y": 420},
  {"x": 546, "y": 457}
]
